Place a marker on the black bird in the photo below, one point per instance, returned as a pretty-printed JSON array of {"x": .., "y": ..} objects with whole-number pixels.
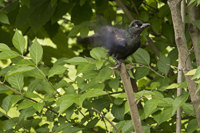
[{"x": 120, "y": 43}]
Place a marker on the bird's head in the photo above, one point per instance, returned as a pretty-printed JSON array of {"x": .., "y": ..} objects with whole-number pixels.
[{"x": 136, "y": 27}]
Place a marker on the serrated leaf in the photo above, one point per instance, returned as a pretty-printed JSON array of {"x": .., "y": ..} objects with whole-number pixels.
[
  {"x": 6, "y": 103},
  {"x": 77, "y": 60},
  {"x": 179, "y": 101},
  {"x": 8, "y": 124},
  {"x": 149, "y": 106},
  {"x": 16, "y": 81},
  {"x": 163, "y": 64},
  {"x": 19, "y": 41},
  {"x": 4, "y": 19},
  {"x": 197, "y": 73},
  {"x": 8, "y": 54},
  {"x": 17, "y": 70},
  {"x": 58, "y": 69},
  {"x": 142, "y": 56},
  {"x": 36, "y": 52},
  {"x": 4, "y": 47},
  {"x": 128, "y": 127}
]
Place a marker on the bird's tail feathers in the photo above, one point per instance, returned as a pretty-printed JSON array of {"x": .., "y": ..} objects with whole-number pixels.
[{"x": 83, "y": 41}]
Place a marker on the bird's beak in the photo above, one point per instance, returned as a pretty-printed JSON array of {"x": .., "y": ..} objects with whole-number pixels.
[{"x": 145, "y": 25}]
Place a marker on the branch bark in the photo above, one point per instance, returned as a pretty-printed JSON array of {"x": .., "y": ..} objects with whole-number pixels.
[
  {"x": 131, "y": 99},
  {"x": 179, "y": 76},
  {"x": 193, "y": 12},
  {"x": 184, "y": 53}
]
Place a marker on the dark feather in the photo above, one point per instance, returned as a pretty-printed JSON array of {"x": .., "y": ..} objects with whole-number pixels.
[{"x": 119, "y": 42}]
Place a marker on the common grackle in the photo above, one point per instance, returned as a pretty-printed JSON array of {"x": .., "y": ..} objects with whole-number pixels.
[{"x": 120, "y": 43}]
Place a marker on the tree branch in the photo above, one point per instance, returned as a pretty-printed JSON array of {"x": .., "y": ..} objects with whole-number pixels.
[
  {"x": 131, "y": 99},
  {"x": 181, "y": 44}
]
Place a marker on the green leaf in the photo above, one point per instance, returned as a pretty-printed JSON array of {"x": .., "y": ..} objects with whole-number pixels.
[
  {"x": 4, "y": 47},
  {"x": 119, "y": 126},
  {"x": 128, "y": 127},
  {"x": 197, "y": 73},
  {"x": 156, "y": 25},
  {"x": 35, "y": 73},
  {"x": 3, "y": 89},
  {"x": 25, "y": 113},
  {"x": 144, "y": 16},
  {"x": 4, "y": 18},
  {"x": 179, "y": 101},
  {"x": 38, "y": 106},
  {"x": 66, "y": 101},
  {"x": 8, "y": 54},
  {"x": 16, "y": 81},
  {"x": 150, "y": 106},
  {"x": 36, "y": 52},
  {"x": 155, "y": 85},
  {"x": 19, "y": 41},
  {"x": 114, "y": 83},
  {"x": 93, "y": 93},
  {"x": 59, "y": 69},
  {"x": 197, "y": 23},
  {"x": 82, "y": 2},
  {"x": 118, "y": 111},
  {"x": 141, "y": 72},
  {"x": 163, "y": 64},
  {"x": 41, "y": 15},
  {"x": 16, "y": 98},
  {"x": 99, "y": 64},
  {"x": 192, "y": 126},
  {"x": 9, "y": 124},
  {"x": 77, "y": 60},
  {"x": 2, "y": 3},
  {"x": 142, "y": 56},
  {"x": 25, "y": 104},
  {"x": 32, "y": 95},
  {"x": 17, "y": 70},
  {"x": 166, "y": 115},
  {"x": 104, "y": 74},
  {"x": 26, "y": 2},
  {"x": 118, "y": 101},
  {"x": 191, "y": 72},
  {"x": 6, "y": 103},
  {"x": 92, "y": 123},
  {"x": 81, "y": 13},
  {"x": 98, "y": 53},
  {"x": 25, "y": 62},
  {"x": 188, "y": 107},
  {"x": 84, "y": 31}
]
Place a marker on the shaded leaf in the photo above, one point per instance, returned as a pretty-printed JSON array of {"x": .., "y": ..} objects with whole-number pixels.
[
  {"x": 4, "y": 18},
  {"x": 142, "y": 56},
  {"x": 58, "y": 69},
  {"x": 16, "y": 81},
  {"x": 19, "y": 41}
]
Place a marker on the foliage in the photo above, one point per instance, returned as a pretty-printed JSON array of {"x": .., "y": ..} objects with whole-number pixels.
[{"x": 49, "y": 83}]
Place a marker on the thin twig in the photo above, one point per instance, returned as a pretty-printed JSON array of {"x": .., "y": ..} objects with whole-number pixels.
[
  {"x": 140, "y": 96},
  {"x": 106, "y": 119},
  {"x": 7, "y": 5}
]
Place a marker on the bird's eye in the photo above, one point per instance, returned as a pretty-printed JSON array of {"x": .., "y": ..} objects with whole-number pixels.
[{"x": 136, "y": 25}]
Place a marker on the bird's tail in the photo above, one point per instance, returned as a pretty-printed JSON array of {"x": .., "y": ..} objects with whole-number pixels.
[{"x": 83, "y": 41}]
